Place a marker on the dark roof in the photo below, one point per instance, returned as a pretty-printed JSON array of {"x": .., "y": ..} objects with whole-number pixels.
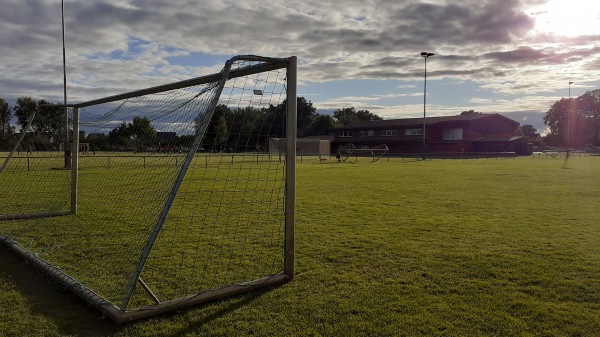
[
  {"x": 327, "y": 137},
  {"x": 418, "y": 121},
  {"x": 165, "y": 137},
  {"x": 511, "y": 139}
]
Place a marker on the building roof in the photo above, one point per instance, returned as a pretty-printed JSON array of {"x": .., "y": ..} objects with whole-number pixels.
[
  {"x": 418, "y": 121},
  {"x": 165, "y": 137},
  {"x": 510, "y": 139},
  {"x": 325, "y": 137}
]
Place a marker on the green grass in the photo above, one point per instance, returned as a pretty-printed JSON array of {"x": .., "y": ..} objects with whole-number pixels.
[
  {"x": 507, "y": 247},
  {"x": 203, "y": 245}
]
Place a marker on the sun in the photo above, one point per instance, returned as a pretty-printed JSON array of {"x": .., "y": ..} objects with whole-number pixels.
[{"x": 568, "y": 17}]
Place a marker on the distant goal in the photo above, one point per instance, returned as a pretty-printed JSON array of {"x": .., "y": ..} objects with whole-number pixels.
[
  {"x": 162, "y": 198},
  {"x": 375, "y": 153}
]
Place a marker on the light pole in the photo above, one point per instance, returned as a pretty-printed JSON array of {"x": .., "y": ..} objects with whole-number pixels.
[
  {"x": 425, "y": 55},
  {"x": 62, "y": 10},
  {"x": 570, "y": 89},
  {"x": 569, "y": 120}
]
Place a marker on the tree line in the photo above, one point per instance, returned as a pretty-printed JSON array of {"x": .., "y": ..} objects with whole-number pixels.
[
  {"x": 526, "y": 130},
  {"x": 48, "y": 127},
  {"x": 573, "y": 122},
  {"x": 229, "y": 127}
]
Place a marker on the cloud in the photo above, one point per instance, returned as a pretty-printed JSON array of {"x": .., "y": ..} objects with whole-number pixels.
[{"x": 121, "y": 45}]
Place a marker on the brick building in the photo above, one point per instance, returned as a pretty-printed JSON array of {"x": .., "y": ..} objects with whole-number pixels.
[{"x": 448, "y": 134}]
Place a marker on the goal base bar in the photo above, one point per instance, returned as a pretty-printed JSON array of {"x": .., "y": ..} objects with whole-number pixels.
[
  {"x": 121, "y": 316},
  {"x": 33, "y": 215}
]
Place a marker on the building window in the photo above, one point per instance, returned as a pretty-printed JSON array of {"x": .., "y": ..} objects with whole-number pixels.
[
  {"x": 388, "y": 133},
  {"x": 453, "y": 134},
  {"x": 413, "y": 132},
  {"x": 345, "y": 133},
  {"x": 370, "y": 133}
]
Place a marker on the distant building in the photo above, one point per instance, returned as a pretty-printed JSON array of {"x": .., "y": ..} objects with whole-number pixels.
[
  {"x": 312, "y": 145},
  {"x": 165, "y": 137},
  {"x": 448, "y": 134}
]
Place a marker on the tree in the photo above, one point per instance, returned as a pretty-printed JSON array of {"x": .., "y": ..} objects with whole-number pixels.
[
  {"x": 322, "y": 125},
  {"x": 23, "y": 110},
  {"x": 588, "y": 108},
  {"x": 50, "y": 118},
  {"x": 366, "y": 116},
  {"x": 529, "y": 131},
  {"x": 347, "y": 116},
  {"x": 120, "y": 136},
  {"x": 97, "y": 140},
  {"x": 142, "y": 132},
  {"x": 307, "y": 114},
  {"x": 557, "y": 119},
  {"x": 137, "y": 133},
  {"x": 569, "y": 122},
  {"x": 5, "y": 114},
  {"x": 49, "y": 125},
  {"x": 221, "y": 133},
  {"x": 222, "y": 112}
]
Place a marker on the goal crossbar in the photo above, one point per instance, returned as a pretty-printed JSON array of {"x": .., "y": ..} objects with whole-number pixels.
[{"x": 273, "y": 63}]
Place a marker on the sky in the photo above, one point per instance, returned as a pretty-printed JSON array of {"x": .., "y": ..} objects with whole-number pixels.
[{"x": 510, "y": 57}]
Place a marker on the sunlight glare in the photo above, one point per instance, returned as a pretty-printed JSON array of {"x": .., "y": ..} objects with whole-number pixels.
[{"x": 568, "y": 17}]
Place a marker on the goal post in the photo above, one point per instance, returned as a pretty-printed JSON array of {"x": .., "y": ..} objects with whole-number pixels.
[{"x": 169, "y": 204}]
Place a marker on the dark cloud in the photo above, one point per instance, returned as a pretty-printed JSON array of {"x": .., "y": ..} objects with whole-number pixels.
[
  {"x": 483, "y": 41},
  {"x": 520, "y": 55},
  {"x": 491, "y": 22},
  {"x": 528, "y": 55}
]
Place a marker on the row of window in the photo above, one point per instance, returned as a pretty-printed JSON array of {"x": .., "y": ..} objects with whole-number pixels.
[
  {"x": 391, "y": 132},
  {"x": 449, "y": 134}
]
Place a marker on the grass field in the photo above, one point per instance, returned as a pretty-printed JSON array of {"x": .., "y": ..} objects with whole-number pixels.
[
  {"x": 507, "y": 247},
  {"x": 225, "y": 226}
]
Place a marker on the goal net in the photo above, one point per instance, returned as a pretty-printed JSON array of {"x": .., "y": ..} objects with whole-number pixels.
[
  {"x": 168, "y": 200},
  {"x": 34, "y": 180},
  {"x": 374, "y": 152}
]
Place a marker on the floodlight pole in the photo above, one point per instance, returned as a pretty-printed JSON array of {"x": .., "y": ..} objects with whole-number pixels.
[
  {"x": 569, "y": 120},
  {"x": 425, "y": 55},
  {"x": 62, "y": 3},
  {"x": 570, "y": 89},
  {"x": 74, "y": 160}
]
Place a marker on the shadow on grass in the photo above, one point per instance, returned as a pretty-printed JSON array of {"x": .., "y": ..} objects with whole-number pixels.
[
  {"x": 73, "y": 316},
  {"x": 199, "y": 317},
  {"x": 70, "y": 314}
]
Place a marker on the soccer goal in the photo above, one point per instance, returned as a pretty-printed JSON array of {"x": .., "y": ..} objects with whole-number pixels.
[
  {"x": 374, "y": 152},
  {"x": 158, "y": 199}
]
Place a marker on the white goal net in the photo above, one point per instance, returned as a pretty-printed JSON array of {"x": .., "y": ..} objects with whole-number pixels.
[{"x": 163, "y": 197}]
